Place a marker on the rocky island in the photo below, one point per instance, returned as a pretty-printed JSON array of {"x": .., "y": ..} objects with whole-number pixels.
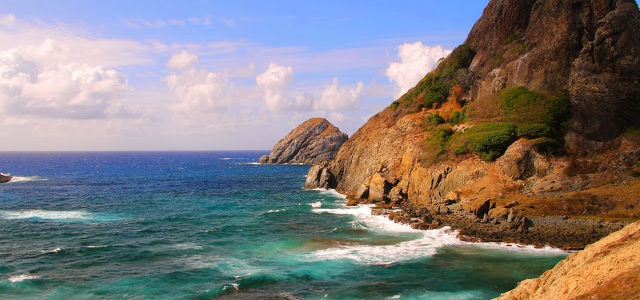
[
  {"x": 5, "y": 178},
  {"x": 312, "y": 142},
  {"x": 525, "y": 133}
]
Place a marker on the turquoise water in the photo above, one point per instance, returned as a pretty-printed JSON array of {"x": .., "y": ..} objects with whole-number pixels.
[{"x": 204, "y": 225}]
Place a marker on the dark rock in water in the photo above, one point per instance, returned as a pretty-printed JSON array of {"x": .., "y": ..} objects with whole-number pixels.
[
  {"x": 314, "y": 141},
  {"x": 5, "y": 178}
]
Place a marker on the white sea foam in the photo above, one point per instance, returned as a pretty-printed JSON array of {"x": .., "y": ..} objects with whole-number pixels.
[
  {"x": 426, "y": 242},
  {"x": 21, "y": 278},
  {"x": 26, "y": 178},
  {"x": 45, "y": 214},
  {"x": 427, "y": 245},
  {"x": 528, "y": 249},
  {"x": 364, "y": 219},
  {"x": 254, "y": 163},
  {"x": 317, "y": 204},
  {"x": 275, "y": 210},
  {"x": 96, "y": 247},
  {"x": 227, "y": 158},
  {"x": 186, "y": 246},
  {"x": 56, "y": 250},
  {"x": 331, "y": 192}
]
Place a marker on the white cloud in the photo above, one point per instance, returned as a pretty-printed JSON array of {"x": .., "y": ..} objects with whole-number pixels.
[
  {"x": 335, "y": 98},
  {"x": 7, "y": 20},
  {"x": 416, "y": 60},
  {"x": 182, "y": 60},
  {"x": 200, "y": 91},
  {"x": 273, "y": 83},
  {"x": 40, "y": 80}
]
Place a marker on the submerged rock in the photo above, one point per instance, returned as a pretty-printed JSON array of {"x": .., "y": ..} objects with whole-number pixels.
[{"x": 314, "y": 141}]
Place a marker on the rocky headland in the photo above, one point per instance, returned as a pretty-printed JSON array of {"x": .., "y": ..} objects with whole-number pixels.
[
  {"x": 528, "y": 132},
  {"x": 607, "y": 269},
  {"x": 5, "y": 178},
  {"x": 312, "y": 142}
]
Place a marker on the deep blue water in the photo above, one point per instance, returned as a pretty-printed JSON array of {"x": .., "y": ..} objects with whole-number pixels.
[{"x": 204, "y": 225}]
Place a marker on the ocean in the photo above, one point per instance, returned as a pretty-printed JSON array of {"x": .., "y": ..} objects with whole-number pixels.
[{"x": 215, "y": 225}]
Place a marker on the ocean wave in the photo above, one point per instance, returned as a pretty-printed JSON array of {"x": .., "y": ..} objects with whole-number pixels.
[
  {"x": 26, "y": 178},
  {"x": 274, "y": 211},
  {"x": 20, "y": 278},
  {"x": 56, "y": 250},
  {"x": 331, "y": 192},
  {"x": 62, "y": 215},
  {"x": 363, "y": 216},
  {"x": 96, "y": 247},
  {"x": 316, "y": 204},
  {"x": 427, "y": 245},
  {"x": 186, "y": 246}
]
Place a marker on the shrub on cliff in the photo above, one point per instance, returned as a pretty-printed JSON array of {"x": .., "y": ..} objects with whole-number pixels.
[
  {"x": 487, "y": 140},
  {"x": 522, "y": 106}
]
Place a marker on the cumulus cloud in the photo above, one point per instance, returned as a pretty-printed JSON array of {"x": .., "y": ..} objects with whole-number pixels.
[
  {"x": 39, "y": 80},
  {"x": 335, "y": 98},
  {"x": 182, "y": 60},
  {"x": 200, "y": 91},
  {"x": 273, "y": 83},
  {"x": 416, "y": 60}
]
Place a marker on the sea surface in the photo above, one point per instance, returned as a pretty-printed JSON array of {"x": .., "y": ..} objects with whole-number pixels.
[{"x": 205, "y": 225}]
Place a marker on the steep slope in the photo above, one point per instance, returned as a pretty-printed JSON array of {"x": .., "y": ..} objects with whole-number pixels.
[
  {"x": 524, "y": 133},
  {"x": 607, "y": 269},
  {"x": 314, "y": 141}
]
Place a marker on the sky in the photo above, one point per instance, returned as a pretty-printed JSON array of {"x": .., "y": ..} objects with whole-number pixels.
[{"x": 209, "y": 75}]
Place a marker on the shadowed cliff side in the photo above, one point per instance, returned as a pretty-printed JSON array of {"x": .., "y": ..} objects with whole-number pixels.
[
  {"x": 312, "y": 142},
  {"x": 527, "y": 132}
]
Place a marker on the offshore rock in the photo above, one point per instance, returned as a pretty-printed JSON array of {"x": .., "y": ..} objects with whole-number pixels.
[
  {"x": 314, "y": 141},
  {"x": 5, "y": 178}
]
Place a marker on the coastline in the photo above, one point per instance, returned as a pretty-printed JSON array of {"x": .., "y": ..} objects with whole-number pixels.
[{"x": 399, "y": 216}]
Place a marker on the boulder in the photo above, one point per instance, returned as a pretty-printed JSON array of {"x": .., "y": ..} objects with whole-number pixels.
[
  {"x": 378, "y": 188},
  {"x": 480, "y": 207}
]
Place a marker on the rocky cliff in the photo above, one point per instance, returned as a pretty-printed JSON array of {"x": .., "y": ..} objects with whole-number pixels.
[
  {"x": 526, "y": 133},
  {"x": 607, "y": 269},
  {"x": 314, "y": 141}
]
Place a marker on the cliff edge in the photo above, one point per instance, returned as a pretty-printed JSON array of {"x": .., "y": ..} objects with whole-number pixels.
[
  {"x": 607, "y": 269},
  {"x": 528, "y": 132},
  {"x": 312, "y": 142}
]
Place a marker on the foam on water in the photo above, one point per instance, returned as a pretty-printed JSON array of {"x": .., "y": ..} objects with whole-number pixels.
[
  {"x": 56, "y": 250},
  {"x": 427, "y": 245},
  {"x": 317, "y": 204},
  {"x": 426, "y": 242},
  {"x": 20, "y": 278},
  {"x": 331, "y": 192},
  {"x": 26, "y": 178},
  {"x": 61, "y": 215}
]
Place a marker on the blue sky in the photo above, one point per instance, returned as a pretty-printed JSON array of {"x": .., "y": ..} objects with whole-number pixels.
[{"x": 209, "y": 75}]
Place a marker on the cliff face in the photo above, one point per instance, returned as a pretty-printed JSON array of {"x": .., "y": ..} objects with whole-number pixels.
[
  {"x": 445, "y": 172},
  {"x": 607, "y": 269},
  {"x": 314, "y": 141}
]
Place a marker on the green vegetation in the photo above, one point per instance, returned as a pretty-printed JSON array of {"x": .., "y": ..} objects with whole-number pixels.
[
  {"x": 533, "y": 130},
  {"x": 522, "y": 106},
  {"x": 496, "y": 60},
  {"x": 434, "y": 88},
  {"x": 435, "y": 119},
  {"x": 461, "y": 57},
  {"x": 457, "y": 117},
  {"x": 438, "y": 143},
  {"x": 512, "y": 37},
  {"x": 394, "y": 105},
  {"x": 488, "y": 140}
]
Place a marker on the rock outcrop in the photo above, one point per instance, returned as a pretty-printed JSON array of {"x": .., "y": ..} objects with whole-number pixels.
[
  {"x": 607, "y": 269},
  {"x": 313, "y": 142},
  {"x": 586, "y": 51},
  {"x": 5, "y": 178}
]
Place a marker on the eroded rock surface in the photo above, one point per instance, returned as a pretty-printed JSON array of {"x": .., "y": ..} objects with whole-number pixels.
[{"x": 314, "y": 141}]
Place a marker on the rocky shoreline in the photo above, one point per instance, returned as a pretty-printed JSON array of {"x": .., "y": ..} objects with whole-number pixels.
[{"x": 554, "y": 231}]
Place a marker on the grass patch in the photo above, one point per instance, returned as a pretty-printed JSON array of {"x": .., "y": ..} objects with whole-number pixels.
[{"x": 533, "y": 130}]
